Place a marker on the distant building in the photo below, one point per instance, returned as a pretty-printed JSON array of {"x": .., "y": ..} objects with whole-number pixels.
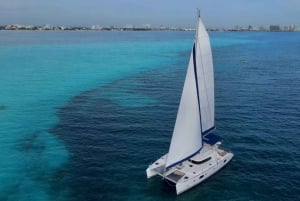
[
  {"x": 29, "y": 27},
  {"x": 292, "y": 27},
  {"x": 96, "y": 27},
  {"x": 147, "y": 26},
  {"x": 129, "y": 26},
  {"x": 275, "y": 28},
  {"x": 47, "y": 27},
  {"x": 13, "y": 27},
  {"x": 162, "y": 27},
  {"x": 255, "y": 28},
  {"x": 264, "y": 28},
  {"x": 286, "y": 28}
]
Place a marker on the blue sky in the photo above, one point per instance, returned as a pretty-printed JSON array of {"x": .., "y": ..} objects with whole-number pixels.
[{"x": 215, "y": 13}]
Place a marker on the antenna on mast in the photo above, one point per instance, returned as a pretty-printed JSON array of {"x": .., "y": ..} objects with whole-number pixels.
[{"x": 198, "y": 12}]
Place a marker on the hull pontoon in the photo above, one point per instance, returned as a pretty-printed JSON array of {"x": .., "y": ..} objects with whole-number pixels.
[{"x": 193, "y": 171}]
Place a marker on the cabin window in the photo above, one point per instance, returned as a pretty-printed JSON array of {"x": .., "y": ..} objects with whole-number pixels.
[
  {"x": 200, "y": 162},
  {"x": 201, "y": 176},
  {"x": 225, "y": 161}
]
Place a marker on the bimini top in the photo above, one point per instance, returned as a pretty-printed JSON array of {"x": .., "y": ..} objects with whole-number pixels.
[{"x": 212, "y": 139}]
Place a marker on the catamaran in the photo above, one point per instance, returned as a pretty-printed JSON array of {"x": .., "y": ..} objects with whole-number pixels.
[{"x": 194, "y": 153}]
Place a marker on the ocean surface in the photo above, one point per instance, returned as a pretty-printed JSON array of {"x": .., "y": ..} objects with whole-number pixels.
[{"x": 82, "y": 114}]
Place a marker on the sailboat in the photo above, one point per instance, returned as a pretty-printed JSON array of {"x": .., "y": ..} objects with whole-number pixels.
[{"x": 194, "y": 153}]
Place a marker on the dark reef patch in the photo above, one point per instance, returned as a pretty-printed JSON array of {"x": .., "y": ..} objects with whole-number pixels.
[
  {"x": 111, "y": 144},
  {"x": 31, "y": 144},
  {"x": 3, "y": 107}
]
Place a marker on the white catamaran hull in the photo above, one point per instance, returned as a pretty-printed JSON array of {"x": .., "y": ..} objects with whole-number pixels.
[{"x": 191, "y": 172}]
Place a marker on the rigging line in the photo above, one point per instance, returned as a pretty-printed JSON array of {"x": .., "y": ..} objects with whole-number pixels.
[{"x": 197, "y": 85}]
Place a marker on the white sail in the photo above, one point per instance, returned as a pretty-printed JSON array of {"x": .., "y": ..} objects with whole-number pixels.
[
  {"x": 205, "y": 73},
  {"x": 196, "y": 109}
]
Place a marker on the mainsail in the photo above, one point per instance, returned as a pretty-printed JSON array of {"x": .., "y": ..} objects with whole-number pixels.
[{"x": 196, "y": 115}]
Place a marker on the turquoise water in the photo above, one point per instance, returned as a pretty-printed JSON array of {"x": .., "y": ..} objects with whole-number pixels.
[{"x": 82, "y": 114}]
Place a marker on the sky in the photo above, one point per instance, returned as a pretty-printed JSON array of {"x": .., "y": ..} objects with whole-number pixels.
[{"x": 177, "y": 13}]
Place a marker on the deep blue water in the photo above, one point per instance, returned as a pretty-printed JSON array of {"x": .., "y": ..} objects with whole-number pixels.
[{"x": 82, "y": 114}]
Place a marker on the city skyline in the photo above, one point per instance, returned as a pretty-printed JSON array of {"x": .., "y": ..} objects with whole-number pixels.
[
  {"x": 215, "y": 13},
  {"x": 148, "y": 27}
]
